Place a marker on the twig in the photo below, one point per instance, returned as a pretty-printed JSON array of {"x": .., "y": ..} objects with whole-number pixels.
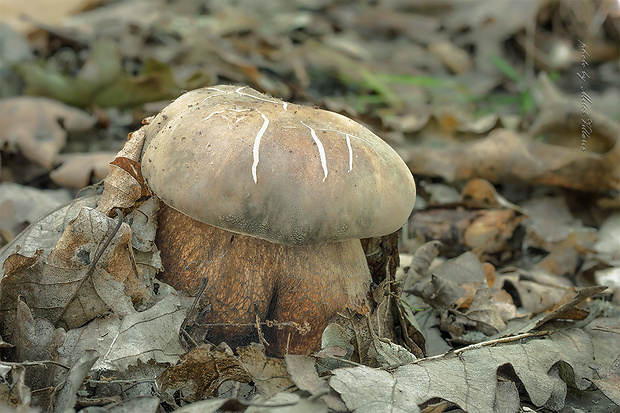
[
  {"x": 191, "y": 308},
  {"x": 484, "y": 344},
  {"x": 120, "y": 381},
  {"x": 353, "y": 363},
  {"x": 261, "y": 338},
  {"x": 42, "y": 363}
]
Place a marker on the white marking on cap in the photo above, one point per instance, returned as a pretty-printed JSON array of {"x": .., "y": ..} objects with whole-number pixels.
[
  {"x": 350, "y": 152},
  {"x": 214, "y": 113},
  {"x": 216, "y": 89},
  {"x": 255, "y": 153},
  {"x": 321, "y": 150},
  {"x": 238, "y": 91}
]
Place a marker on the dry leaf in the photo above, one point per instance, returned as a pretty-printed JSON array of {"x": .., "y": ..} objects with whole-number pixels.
[
  {"x": 479, "y": 193},
  {"x": 286, "y": 403},
  {"x": 268, "y": 374},
  {"x": 22, "y": 205},
  {"x": 485, "y": 231},
  {"x": 125, "y": 184},
  {"x": 48, "y": 265},
  {"x": 37, "y": 339},
  {"x": 199, "y": 373},
  {"x": 609, "y": 381},
  {"x": 81, "y": 169},
  {"x": 505, "y": 156},
  {"x": 470, "y": 379},
  {"x": 38, "y": 127},
  {"x": 149, "y": 335},
  {"x": 304, "y": 375}
]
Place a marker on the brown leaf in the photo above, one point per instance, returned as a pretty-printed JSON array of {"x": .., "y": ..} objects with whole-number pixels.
[
  {"x": 490, "y": 233},
  {"x": 77, "y": 169},
  {"x": 504, "y": 156},
  {"x": 32, "y": 125},
  {"x": 199, "y": 374},
  {"x": 567, "y": 309},
  {"x": 479, "y": 193},
  {"x": 269, "y": 374},
  {"x": 485, "y": 231},
  {"x": 125, "y": 184},
  {"x": 85, "y": 235}
]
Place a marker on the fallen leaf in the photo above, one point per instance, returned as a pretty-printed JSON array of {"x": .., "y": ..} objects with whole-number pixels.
[
  {"x": 480, "y": 193},
  {"x": 22, "y": 205},
  {"x": 66, "y": 394},
  {"x": 286, "y": 403},
  {"x": 485, "y": 231},
  {"x": 469, "y": 379},
  {"x": 548, "y": 221},
  {"x": 38, "y": 127},
  {"x": 304, "y": 375},
  {"x": 78, "y": 170},
  {"x": 49, "y": 264},
  {"x": 37, "y": 339},
  {"x": 125, "y": 185},
  {"x": 268, "y": 374},
  {"x": 143, "y": 336},
  {"x": 609, "y": 381},
  {"x": 505, "y": 156},
  {"x": 483, "y": 310},
  {"x": 199, "y": 373}
]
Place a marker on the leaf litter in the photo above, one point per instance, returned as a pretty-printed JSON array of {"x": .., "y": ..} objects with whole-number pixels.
[{"x": 508, "y": 310}]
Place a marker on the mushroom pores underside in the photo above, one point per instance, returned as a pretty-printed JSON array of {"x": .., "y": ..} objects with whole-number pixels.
[{"x": 267, "y": 201}]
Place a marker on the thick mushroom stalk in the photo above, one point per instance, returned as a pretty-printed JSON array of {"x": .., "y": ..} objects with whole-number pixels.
[
  {"x": 267, "y": 201},
  {"x": 249, "y": 278}
]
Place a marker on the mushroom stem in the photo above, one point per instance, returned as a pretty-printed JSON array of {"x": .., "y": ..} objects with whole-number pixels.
[{"x": 249, "y": 277}]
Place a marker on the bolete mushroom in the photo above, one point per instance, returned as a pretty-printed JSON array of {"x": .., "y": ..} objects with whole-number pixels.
[{"x": 267, "y": 201}]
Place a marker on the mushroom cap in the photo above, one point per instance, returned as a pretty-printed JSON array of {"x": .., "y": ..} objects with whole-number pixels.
[{"x": 248, "y": 163}]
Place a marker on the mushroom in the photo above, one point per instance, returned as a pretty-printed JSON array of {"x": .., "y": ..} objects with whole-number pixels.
[{"x": 265, "y": 202}]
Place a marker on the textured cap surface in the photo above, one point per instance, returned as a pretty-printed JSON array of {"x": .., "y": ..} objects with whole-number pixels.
[{"x": 245, "y": 162}]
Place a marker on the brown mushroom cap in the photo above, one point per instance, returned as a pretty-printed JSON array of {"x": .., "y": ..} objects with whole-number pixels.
[{"x": 245, "y": 162}]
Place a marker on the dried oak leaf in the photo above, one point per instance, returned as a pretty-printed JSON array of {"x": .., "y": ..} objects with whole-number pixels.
[
  {"x": 56, "y": 285},
  {"x": 453, "y": 282},
  {"x": 48, "y": 265},
  {"x": 37, "y": 339},
  {"x": 480, "y": 193},
  {"x": 484, "y": 231},
  {"x": 469, "y": 379},
  {"x": 609, "y": 381},
  {"x": 38, "y": 127}
]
